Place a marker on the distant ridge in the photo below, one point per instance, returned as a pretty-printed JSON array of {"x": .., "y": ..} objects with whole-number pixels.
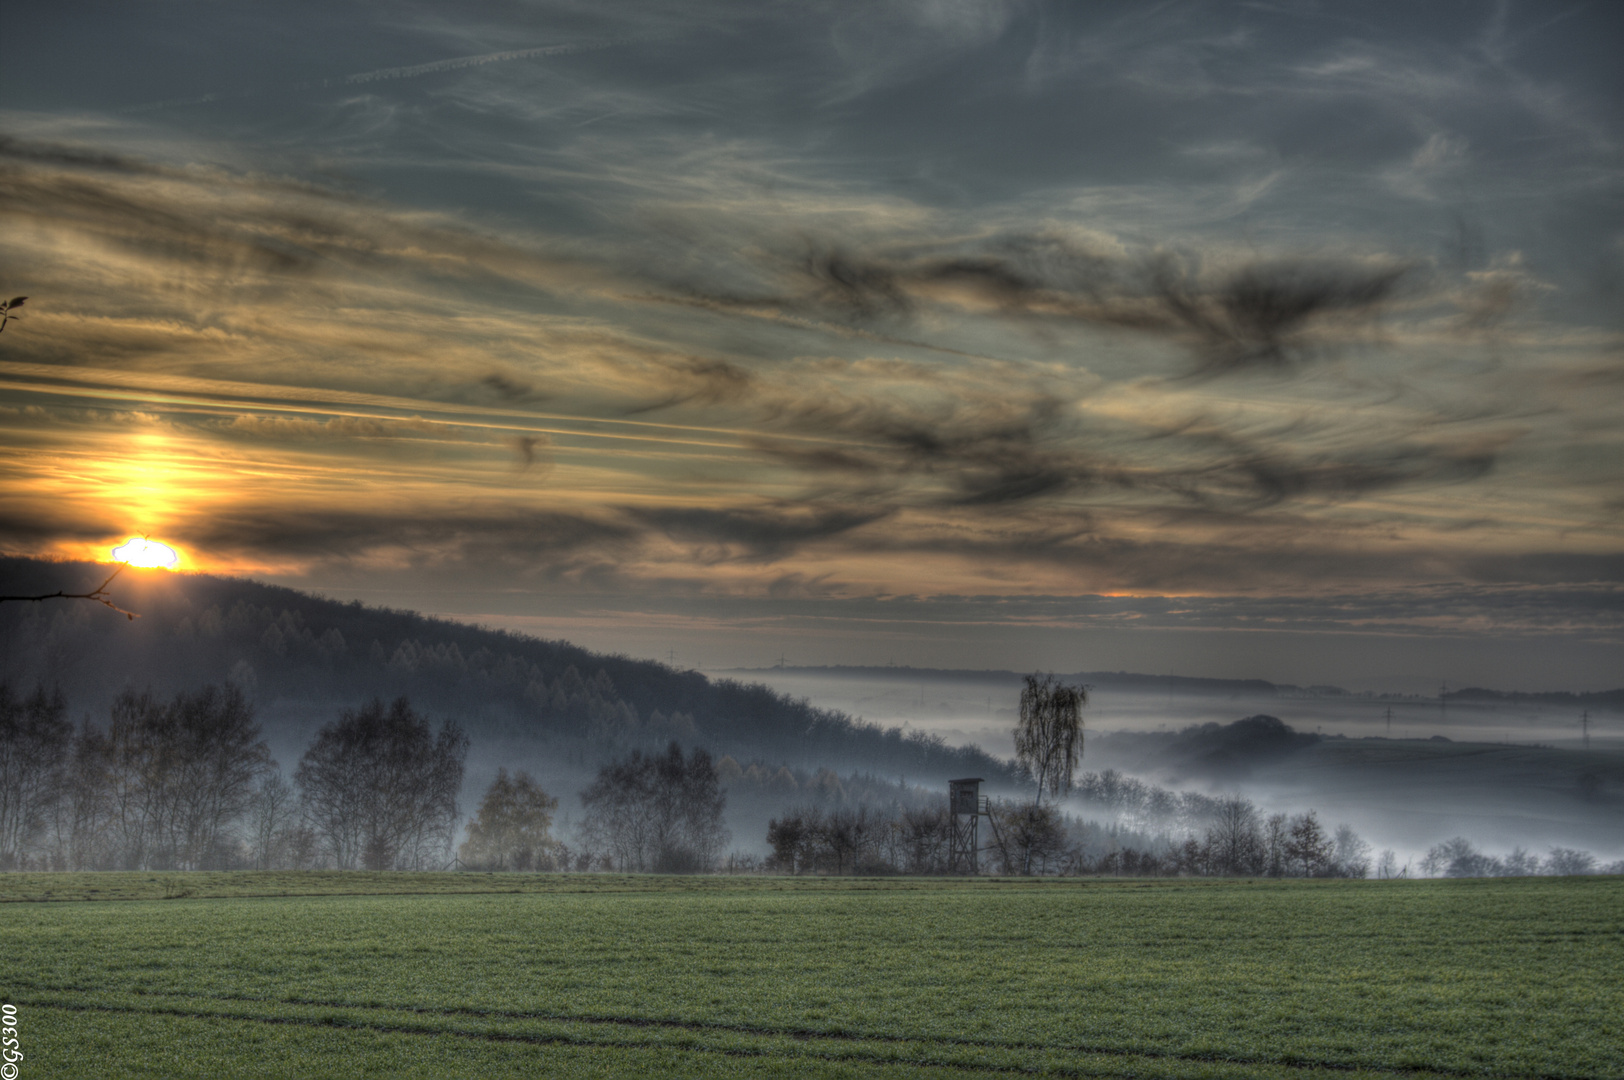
[
  {"x": 1183, "y": 684},
  {"x": 1178, "y": 683},
  {"x": 1599, "y": 699}
]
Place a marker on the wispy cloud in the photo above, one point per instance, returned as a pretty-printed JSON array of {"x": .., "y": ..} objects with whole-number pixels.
[
  {"x": 409, "y": 71},
  {"x": 829, "y": 303},
  {"x": 855, "y": 440}
]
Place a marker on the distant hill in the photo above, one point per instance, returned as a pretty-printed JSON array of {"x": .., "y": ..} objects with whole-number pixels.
[
  {"x": 287, "y": 647},
  {"x": 1182, "y": 684},
  {"x": 1601, "y": 699},
  {"x": 1118, "y": 679}
]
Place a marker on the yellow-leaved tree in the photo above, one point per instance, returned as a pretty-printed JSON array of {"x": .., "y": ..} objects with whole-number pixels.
[{"x": 511, "y": 829}]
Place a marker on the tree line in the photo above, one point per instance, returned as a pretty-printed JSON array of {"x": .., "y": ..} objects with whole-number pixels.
[
  {"x": 1020, "y": 838},
  {"x": 1025, "y": 838},
  {"x": 1457, "y": 857},
  {"x": 187, "y": 783}
]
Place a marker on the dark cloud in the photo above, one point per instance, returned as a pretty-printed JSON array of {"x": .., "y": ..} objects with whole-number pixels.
[
  {"x": 759, "y": 533},
  {"x": 1307, "y": 570},
  {"x": 1268, "y": 478},
  {"x": 508, "y": 538},
  {"x": 853, "y": 288},
  {"x": 530, "y": 449},
  {"x": 77, "y": 157},
  {"x": 798, "y": 586},
  {"x": 786, "y": 311},
  {"x": 701, "y": 380},
  {"x": 510, "y": 387},
  {"x": 817, "y": 458},
  {"x": 995, "y": 452},
  {"x": 1267, "y": 314},
  {"x": 28, "y": 523},
  {"x": 988, "y": 452}
]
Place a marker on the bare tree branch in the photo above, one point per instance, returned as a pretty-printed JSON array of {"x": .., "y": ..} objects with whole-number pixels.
[
  {"x": 6, "y": 309},
  {"x": 98, "y": 594}
]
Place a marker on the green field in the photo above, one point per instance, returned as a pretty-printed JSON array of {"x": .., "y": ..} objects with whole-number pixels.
[{"x": 443, "y": 975}]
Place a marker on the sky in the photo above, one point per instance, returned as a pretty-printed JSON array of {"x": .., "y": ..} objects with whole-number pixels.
[{"x": 1249, "y": 340}]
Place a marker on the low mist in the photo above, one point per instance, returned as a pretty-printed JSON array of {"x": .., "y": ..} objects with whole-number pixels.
[{"x": 1406, "y": 771}]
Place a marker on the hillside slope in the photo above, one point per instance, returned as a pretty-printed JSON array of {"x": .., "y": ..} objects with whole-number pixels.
[{"x": 304, "y": 656}]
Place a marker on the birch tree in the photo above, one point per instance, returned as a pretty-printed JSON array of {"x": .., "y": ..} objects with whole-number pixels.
[{"x": 1049, "y": 736}]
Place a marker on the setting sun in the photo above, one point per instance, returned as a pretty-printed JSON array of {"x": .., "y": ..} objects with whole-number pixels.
[{"x": 139, "y": 551}]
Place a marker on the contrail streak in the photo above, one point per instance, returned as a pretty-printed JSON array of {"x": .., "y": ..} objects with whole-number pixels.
[
  {"x": 457, "y": 63},
  {"x": 181, "y": 390},
  {"x": 411, "y": 71}
]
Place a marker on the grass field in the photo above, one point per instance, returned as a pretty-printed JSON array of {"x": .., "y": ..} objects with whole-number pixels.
[{"x": 350, "y": 975}]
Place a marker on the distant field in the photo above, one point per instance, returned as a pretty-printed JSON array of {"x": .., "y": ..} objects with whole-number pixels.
[{"x": 350, "y": 975}]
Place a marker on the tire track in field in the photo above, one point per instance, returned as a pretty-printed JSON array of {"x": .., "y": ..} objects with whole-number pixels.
[
  {"x": 739, "y": 1052},
  {"x": 714, "y": 1027}
]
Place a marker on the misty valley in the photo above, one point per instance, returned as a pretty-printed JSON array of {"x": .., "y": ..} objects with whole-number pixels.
[{"x": 234, "y": 724}]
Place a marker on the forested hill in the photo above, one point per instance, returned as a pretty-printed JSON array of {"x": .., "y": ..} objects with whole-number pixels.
[{"x": 283, "y": 645}]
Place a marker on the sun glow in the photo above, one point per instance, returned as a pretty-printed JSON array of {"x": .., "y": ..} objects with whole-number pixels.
[{"x": 139, "y": 551}]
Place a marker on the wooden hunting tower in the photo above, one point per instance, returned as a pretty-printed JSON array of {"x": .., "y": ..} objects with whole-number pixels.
[{"x": 964, "y": 807}]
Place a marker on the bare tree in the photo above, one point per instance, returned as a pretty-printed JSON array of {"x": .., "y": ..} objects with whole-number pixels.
[
  {"x": 1049, "y": 736},
  {"x": 1352, "y": 857},
  {"x": 380, "y": 787},
  {"x": 510, "y": 831},
  {"x": 79, "y": 833},
  {"x": 1276, "y": 835},
  {"x": 1308, "y": 850},
  {"x": 855, "y": 840},
  {"x": 703, "y": 803},
  {"x": 272, "y": 815},
  {"x": 790, "y": 838},
  {"x": 1521, "y": 863},
  {"x": 177, "y": 775},
  {"x": 1566, "y": 862},
  {"x": 660, "y": 813},
  {"x": 622, "y": 814},
  {"x": 843, "y": 835},
  {"x": 1233, "y": 842},
  {"x": 35, "y": 752},
  {"x": 1027, "y": 837},
  {"x": 1457, "y": 857},
  {"x": 925, "y": 839},
  {"x": 220, "y": 762}
]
